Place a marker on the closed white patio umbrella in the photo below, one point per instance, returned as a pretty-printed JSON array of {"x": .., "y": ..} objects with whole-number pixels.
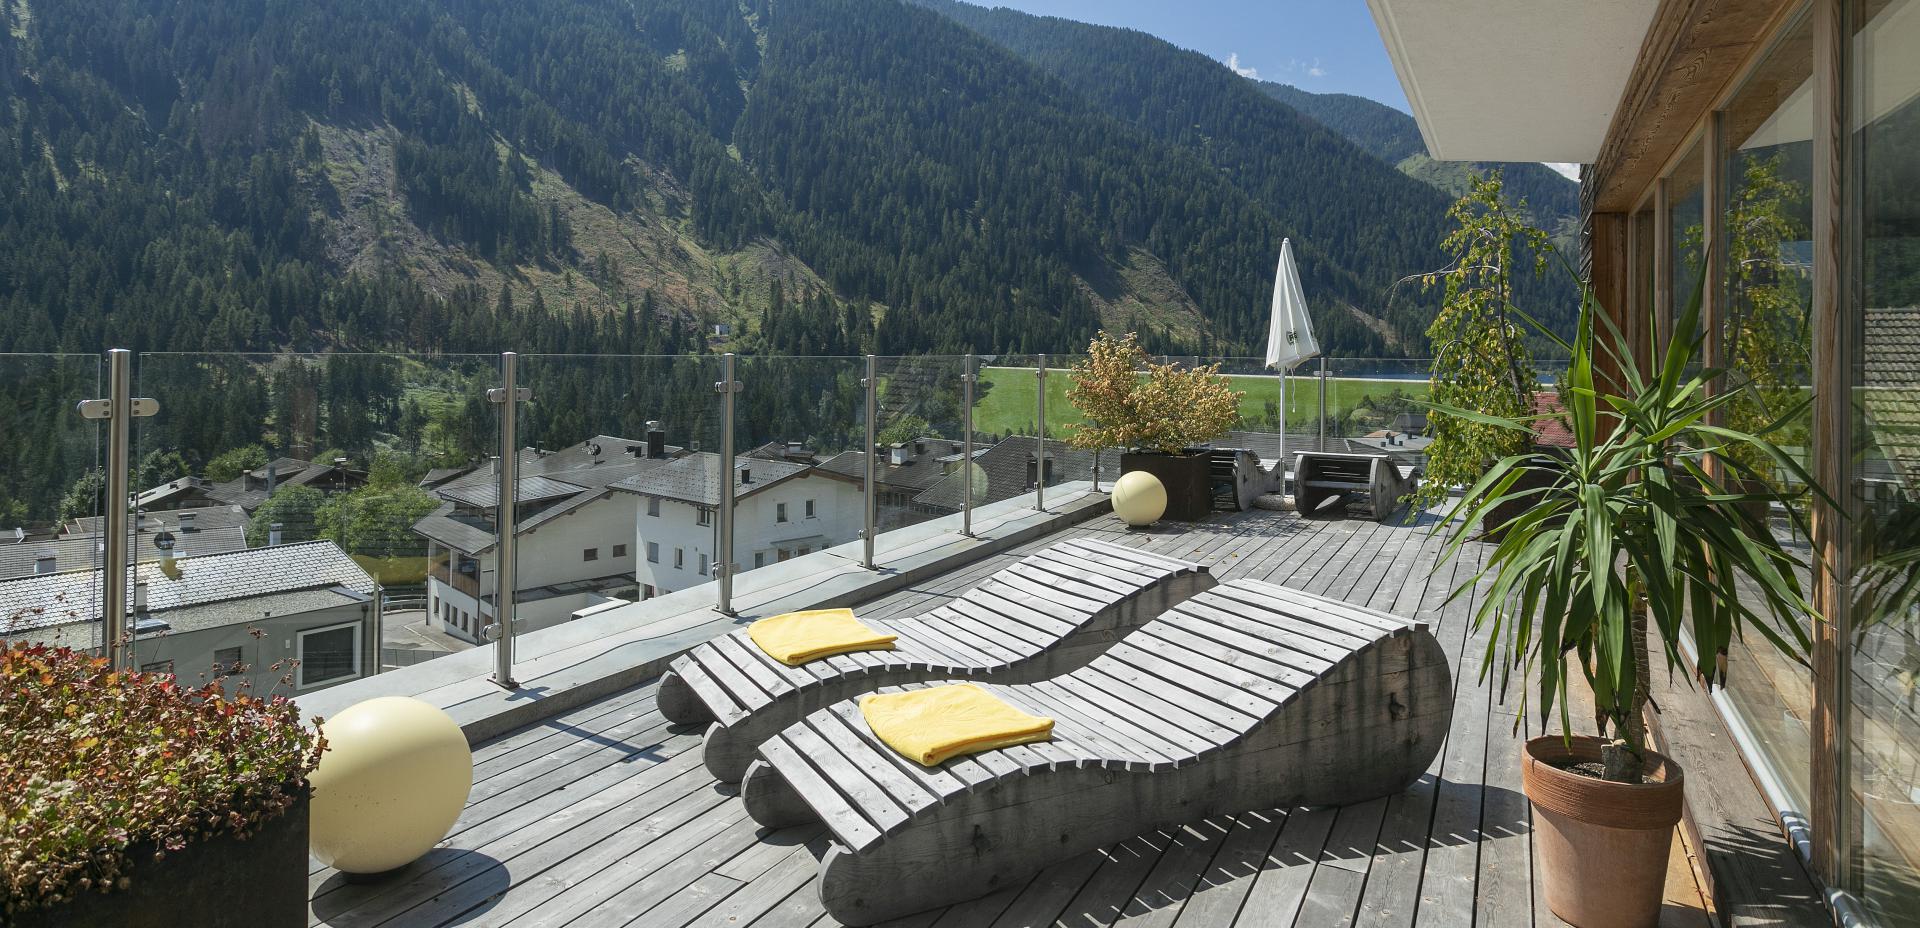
[{"x": 1289, "y": 334}]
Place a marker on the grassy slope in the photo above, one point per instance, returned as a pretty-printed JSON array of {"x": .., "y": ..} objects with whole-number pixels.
[{"x": 1008, "y": 406}]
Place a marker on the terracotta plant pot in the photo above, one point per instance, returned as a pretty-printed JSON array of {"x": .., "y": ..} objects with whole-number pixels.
[{"x": 1603, "y": 846}]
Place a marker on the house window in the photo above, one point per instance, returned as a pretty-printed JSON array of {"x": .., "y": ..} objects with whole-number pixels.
[
  {"x": 653, "y": 506},
  {"x": 703, "y": 565},
  {"x": 809, "y": 509},
  {"x": 705, "y": 516},
  {"x": 679, "y": 558},
  {"x": 165, "y": 667},
  {"x": 646, "y": 592},
  {"x": 759, "y": 558},
  {"x": 619, "y": 550},
  {"x": 591, "y": 554},
  {"x": 803, "y": 552},
  {"x": 779, "y": 512},
  {"x": 653, "y": 552},
  {"x": 328, "y": 654},
  {"x": 226, "y": 661}
]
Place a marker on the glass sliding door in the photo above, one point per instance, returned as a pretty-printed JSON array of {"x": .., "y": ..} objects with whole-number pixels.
[
  {"x": 1885, "y": 484},
  {"x": 1765, "y": 340},
  {"x": 1686, "y": 230}
]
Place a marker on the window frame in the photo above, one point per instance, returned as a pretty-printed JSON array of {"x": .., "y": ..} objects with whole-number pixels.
[{"x": 300, "y": 681}]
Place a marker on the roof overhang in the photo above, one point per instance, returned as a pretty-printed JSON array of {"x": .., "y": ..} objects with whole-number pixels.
[{"x": 1513, "y": 80}]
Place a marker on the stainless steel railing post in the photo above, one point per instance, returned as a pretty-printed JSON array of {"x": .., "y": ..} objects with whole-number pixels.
[
  {"x": 967, "y": 376},
  {"x": 1040, "y": 456},
  {"x": 506, "y": 519},
  {"x": 1323, "y": 402},
  {"x": 723, "y": 565},
  {"x": 119, "y": 409},
  {"x": 872, "y": 383}
]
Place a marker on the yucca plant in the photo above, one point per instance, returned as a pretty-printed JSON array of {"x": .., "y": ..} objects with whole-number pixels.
[{"x": 1632, "y": 532}]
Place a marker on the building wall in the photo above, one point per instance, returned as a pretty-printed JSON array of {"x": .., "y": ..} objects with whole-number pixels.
[
  {"x": 757, "y": 530},
  {"x": 550, "y": 553},
  {"x": 192, "y": 653}
]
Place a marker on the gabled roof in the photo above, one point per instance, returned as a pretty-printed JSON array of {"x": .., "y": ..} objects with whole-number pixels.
[
  {"x": 1005, "y": 465},
  {"x": 696, "y": 478},
  {"x": 217, "y": 529},
  {"x": 550, "y": 486},
  {"x": 58, "y": 599},
  {"x": 920, "y": 469}
]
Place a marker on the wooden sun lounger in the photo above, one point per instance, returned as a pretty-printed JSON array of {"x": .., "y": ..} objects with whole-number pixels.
[
  {"x": 1051, "y": 612},
  {"x": 1249, "y": 696}
]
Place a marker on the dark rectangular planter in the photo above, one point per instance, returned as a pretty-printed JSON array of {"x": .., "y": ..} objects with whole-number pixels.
[
  {"x": 220, "y": 883},
  {"x": 1187, "y": 477}
]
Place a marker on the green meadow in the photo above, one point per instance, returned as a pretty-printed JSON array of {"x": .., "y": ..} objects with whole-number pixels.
[{"x": 1008, "y": 404}]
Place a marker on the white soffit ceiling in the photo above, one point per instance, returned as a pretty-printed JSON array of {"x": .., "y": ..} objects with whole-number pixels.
[{"x": 1513, "y": 80}]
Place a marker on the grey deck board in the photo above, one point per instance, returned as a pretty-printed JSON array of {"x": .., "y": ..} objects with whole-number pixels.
[{"x": 603, "y": 816}]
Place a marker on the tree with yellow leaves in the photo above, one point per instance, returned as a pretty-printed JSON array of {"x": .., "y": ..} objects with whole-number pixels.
[{"x": 1167, "y": 409}]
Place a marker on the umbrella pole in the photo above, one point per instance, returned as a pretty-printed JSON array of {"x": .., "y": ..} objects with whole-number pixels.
[{"x": 1283, "y": 430}]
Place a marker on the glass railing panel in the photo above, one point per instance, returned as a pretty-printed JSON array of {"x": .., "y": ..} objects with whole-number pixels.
[
  {"x": 800, "y": 426},
  {"x": 1374, "y": 406},
  {"x": 52, "y": 497},
  {"x": 620, "y": 482},
  {"x": 294, "y": 513},
  {"x": 1008, "y": 434},
  {"x": 921, "y": 471}
]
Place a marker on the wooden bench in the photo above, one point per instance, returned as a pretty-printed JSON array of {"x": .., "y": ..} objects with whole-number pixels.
[
  {"x": 1249, "y": 696},
  {"x": 1049, "y": 613},
  {"x": 1327, "y": 482}
]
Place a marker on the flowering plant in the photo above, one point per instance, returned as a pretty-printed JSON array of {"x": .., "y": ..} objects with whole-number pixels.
[
  {"x": 1167, "y": 410},
  {"x": 96, "y": 764}
]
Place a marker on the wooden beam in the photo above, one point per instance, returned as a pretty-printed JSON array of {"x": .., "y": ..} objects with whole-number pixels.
[
  {"x": 1693, "y": 50},
  {"x": 1833, "y": 348},
  {"x": 1662, "y": 273},
  {"x": 1611, "y": 276}
]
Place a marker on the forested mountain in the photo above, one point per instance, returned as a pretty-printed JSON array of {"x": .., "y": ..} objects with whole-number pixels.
[
  {"x": 264, "y": 174},
  {"x": 1342, "y": 198},
  {"x": 1393, "y": 137}
]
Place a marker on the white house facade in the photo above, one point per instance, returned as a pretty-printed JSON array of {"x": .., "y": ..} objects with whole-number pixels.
[{"x": 781, "y": 510}]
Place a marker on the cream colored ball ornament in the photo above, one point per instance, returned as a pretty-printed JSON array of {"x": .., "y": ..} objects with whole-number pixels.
[
  {"x": 393, "y": 780},
  {"x": 1139, "y": 498}
]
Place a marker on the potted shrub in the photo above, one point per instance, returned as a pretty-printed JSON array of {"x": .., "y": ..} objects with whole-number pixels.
[
  {"x": 1157, "y": 416},
  {"x": 1481, "y": 359},
  {"x": 1628, "y": 536},
  {"x": 130, "y": 801}
]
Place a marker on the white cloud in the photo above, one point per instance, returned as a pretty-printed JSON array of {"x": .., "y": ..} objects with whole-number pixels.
[
  {"x": 1315, "y": 70},
  {"x": 1233, "y": 63},
  {"x": 1568, "y": 169}
]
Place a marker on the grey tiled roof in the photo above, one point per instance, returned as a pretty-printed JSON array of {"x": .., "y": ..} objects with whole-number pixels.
[
  {"x": 920, "y": 470},
  {"x": 54, "y": 599},
  {"x": 216, "y": 531},
  {"x": 696, "y": 478},
  {"x": 543, "y": 477},
  {"x": 1891, "y": 395},
  {"x": 528, "y": 490}
]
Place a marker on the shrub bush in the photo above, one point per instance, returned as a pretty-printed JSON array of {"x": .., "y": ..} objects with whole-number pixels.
[
  {"x": 1131, "y": 403},
  {"x": 98, "y": 766}
]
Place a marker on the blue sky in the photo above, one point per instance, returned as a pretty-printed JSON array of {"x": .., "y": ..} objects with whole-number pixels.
[{"x": 1325, "y": 46}]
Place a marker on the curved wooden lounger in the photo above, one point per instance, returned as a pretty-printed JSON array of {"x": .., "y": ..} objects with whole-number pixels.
[
  {"x": 1051, "y": 612},
  {"x": 1250, "y": 696}
]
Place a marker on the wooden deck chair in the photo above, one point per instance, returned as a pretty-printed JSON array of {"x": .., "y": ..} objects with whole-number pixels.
[
  {"x": 1249, "y": 696},
  {"x": 1049, "y": 613}
]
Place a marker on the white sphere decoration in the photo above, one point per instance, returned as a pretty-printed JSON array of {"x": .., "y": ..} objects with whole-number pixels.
[
  {"x": 393, "y": 780},
  {"x": 1139, "y": 498}
]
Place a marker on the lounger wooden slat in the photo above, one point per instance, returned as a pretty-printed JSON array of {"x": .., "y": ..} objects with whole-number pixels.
[
  {"x": 757, "y": 665},
  {"x": 1381, "y": 620},
  {"x": 1044, "y": 615},
  {"x": 849, "y": 779},
  {"x": 1249, "y": 604},
  {"x": 904, "y": 789},
  {"x": 1193, "y": 715}
]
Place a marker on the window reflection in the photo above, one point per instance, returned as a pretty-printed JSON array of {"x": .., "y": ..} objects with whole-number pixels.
[{"x": 1885, "y": 483}]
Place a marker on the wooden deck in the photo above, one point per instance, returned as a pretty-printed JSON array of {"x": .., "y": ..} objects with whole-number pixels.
[{"x": 605, "y": 817}]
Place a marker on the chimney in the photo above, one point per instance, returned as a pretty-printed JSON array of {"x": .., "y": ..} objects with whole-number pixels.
[
  {"x": 139, "y": 598},
  {"x": 897, "y": 455},
  {"x": 164, "y": 543},
  {"x": 186, "y": 521},
  {"x": 271, "y": 478},
  {"x": 656, "y": 440},
  {"x": 44, "y": 564},
  {"x": 274, "y": 533},
  {"x": 919, "y": 447}
]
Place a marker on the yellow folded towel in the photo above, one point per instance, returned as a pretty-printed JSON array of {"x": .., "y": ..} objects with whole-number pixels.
[
  {"x": 939, "y": 722},
  {"x": 798, "y": 637}
]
